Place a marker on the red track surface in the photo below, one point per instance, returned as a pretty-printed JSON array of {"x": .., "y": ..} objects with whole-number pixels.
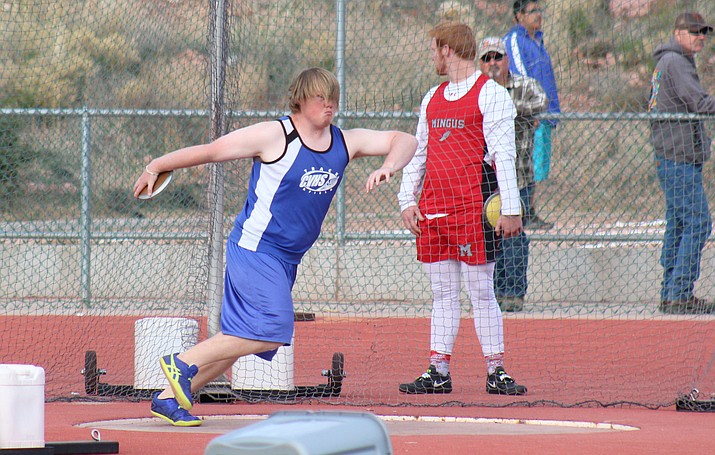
[
  {"x": 662, "y": 431},
  {"x": 565, "y": 360}
]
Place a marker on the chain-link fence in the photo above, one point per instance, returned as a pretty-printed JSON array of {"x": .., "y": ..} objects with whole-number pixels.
[{"x": 91, "y": 91}]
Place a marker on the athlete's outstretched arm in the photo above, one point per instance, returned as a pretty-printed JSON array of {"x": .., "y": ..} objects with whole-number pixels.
[
  {"x": 398, "y": 147},
  {"x": 265, "y": 140}
]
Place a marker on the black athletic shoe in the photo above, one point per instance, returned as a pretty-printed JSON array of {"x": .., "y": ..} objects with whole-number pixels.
[
  {"x": 429, "y": 382},
  {"x": 534, "y": 222},
  {"x": 501, "y": 383},
  {"x": 511, "y": 304},
  {"x": 693, "y": 305}
]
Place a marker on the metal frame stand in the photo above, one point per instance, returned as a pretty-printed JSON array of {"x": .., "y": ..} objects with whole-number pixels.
[{"x": 218, "y": 392}]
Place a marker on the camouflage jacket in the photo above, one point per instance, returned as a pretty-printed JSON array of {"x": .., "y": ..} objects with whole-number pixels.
[{"x": 529, "y": 99}]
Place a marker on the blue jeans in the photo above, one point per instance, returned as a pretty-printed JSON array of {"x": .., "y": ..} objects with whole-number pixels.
[
  {"x": 688, "y": 226},
  {"x": 526, "y": 196},
  {"x": 512, "y": 262}
]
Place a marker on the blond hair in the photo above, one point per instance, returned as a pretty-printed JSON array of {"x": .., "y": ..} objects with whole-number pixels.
[
  {"x": 313, "y": 82},
  {"x": 458, "y": 37}
]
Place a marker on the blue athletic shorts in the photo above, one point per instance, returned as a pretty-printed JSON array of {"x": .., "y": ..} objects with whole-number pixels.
[{"x": 257, "y": 300}]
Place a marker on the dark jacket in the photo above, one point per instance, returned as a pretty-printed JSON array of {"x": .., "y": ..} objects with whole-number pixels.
[
  {"x": 675, "y": 87},
  {"x": 529, "y": 99}
]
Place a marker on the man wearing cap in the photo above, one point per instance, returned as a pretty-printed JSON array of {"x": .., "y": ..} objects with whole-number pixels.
[
  {"x": 681, "y": 147},
  {"x": 465, "y": 151},
  {"x": 528, "y": 57},
  {"x": 510, "y": 280}
]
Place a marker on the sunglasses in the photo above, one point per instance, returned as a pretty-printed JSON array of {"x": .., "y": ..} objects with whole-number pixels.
[
  {"x": 701, "y": 32},
  {"x": 489, "y": 57}
]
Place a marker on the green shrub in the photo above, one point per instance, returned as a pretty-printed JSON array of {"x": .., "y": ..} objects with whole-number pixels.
[
  {"x": 14, "y": 156},
  {"x": 631, "y": 52},
  {"x": 579, "y": 26}
]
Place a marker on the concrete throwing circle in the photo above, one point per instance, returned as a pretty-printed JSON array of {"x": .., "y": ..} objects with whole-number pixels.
[{"x": 396, "y": 425}]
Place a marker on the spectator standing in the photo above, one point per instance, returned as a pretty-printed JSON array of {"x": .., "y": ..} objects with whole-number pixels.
[
  {"x": 465, "y": 136},
  {"x": 510, "y": 280},
  {"x": 528, "y": 57},
  {"x": 681, "y": 147}
]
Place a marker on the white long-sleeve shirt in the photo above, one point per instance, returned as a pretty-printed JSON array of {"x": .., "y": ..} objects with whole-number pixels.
[{"x": 498, "y": 113}]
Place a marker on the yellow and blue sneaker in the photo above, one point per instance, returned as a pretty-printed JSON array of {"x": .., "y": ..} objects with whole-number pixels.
[
  {"x": 179, "y": 375},
  {"x": 169, "y": 410}
]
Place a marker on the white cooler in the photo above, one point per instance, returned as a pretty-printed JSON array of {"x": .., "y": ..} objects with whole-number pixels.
[{"x": 22, "y": 406}]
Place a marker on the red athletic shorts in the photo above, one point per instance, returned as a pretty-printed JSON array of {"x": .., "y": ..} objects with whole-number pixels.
[{"x": 464, "y": 237}]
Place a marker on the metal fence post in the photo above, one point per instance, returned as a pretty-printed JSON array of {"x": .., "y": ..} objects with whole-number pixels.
[
  {"x": 86, "y": 213},
  {"x": 215, "y": 190},
  {"x": 340, "y": 122}
]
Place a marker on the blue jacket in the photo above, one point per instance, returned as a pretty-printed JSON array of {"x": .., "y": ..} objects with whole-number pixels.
[{"x": 528, "y": 57}]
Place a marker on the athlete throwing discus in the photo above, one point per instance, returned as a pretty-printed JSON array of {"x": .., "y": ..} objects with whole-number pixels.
[
  {"x": 465, "y": 152},
  {"x": 298, "y": 163}
]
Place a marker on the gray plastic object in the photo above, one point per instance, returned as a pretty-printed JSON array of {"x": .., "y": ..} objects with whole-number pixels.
[{"x": 307, "y": 433}]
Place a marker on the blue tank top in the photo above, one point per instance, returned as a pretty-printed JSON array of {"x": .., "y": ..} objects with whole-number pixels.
[{"x": 288, "y": 198}]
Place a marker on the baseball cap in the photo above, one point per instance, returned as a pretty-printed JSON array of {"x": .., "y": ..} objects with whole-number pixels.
[
  {"x": 491, "y": 44},
  {"x": 693, "y": 22}
]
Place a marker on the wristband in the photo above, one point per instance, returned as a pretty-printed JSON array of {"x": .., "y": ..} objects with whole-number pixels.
[{"x": 150, "y": 172}]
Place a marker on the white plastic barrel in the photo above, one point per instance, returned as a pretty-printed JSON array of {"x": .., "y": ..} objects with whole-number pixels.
[
  {"x": 254, "y": 373},
  {"x": 22, "y": 406},
  {"x": 156, "y": 337}
]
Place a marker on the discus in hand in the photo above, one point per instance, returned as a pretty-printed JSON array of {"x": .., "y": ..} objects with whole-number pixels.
[
  {"x": 162, "y": 181},
  {"x": 492, "y": 209}
]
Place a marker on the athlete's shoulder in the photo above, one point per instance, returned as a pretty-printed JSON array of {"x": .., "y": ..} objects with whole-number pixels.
[
  {"x": 491, "y": 85},
  {"x": 430, "y": 93},
  {"x": 266, "y": 127},
  {"x": 428, "y": 96}
]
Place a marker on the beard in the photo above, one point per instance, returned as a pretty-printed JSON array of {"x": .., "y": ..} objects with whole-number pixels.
[
  {"x": 494, "y": 72},
  {"x": 440, "y": 67}
]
